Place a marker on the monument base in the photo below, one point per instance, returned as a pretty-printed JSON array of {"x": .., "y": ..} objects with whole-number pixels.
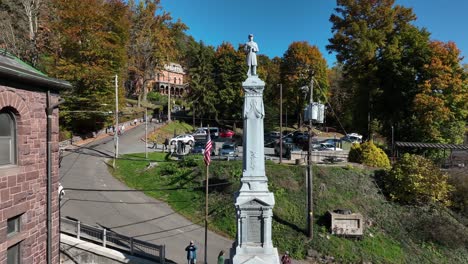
[{"x": 254, "y": 255}]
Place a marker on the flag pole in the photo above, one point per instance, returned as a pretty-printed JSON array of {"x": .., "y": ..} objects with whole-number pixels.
[
  {"x": 207, "y": 158},
  {"x": 206, "y": 215}
]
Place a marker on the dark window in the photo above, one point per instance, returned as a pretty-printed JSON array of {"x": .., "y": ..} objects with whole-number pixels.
[
  {"x": 13, "y": 255},
  {"x": 175, "y": 80},
  {"x": 7, "y": 138},
  {"x": 13, "y": 225}
]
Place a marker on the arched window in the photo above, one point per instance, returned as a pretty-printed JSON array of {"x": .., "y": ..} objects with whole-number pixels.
[
  {"x": 175, "y": 80},
  {"x": 7, "y": 138}
]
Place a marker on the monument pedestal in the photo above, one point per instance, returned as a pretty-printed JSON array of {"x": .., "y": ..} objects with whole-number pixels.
[{"x": 254, "y": 203}]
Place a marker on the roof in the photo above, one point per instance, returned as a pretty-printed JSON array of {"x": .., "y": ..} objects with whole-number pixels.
[
  {"x": 430, "y": 145},
  {"x": 15, "y": 71}
]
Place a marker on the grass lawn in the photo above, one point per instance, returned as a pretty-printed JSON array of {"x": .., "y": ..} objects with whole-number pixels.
[
  {"x": 394, "y": 233},
  {"x": 168, "y": 130}
]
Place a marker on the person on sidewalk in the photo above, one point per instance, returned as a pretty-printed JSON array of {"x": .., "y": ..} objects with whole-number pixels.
[
  {"x": 191, "y": 253},
  {"x": 166, "y": 143},
  {"x": 221, "y": 257},
  {"x": 285, "y": 259}
]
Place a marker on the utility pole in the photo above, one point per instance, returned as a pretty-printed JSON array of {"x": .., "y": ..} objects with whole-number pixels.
[
  {"x": 146, "y": 132},
  {"x": 281, "y": 123},
  {"x": 116, "y": 136},
  {"x": 310, "y": 216}
]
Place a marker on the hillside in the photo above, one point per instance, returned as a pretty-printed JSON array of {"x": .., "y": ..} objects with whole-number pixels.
[{"x": 393, "y": 234}]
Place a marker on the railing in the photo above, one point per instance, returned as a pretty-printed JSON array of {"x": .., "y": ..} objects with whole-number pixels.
[{"x": 110, "y": 239}]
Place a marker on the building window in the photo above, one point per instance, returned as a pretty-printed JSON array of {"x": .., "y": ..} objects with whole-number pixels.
[
  {"x": 175, "y": 80},
  {"x": 7, "y": 138},
  {"x": 13, "y": 255},
  {"x": 13, "y": 225}
]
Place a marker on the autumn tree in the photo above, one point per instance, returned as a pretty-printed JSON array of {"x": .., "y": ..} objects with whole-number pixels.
[
  {"x": 441, "y": 104},
  {"x": 270, "y": 73},
  {"x": 393, "y": 72},
  {"x": 152, "y": 44},
  {"x": 89, "y": 39},
  {"x": 300, "y": 63}
]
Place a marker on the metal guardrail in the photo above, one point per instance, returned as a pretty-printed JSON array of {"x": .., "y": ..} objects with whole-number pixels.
[{"x": 110, "y": 239}]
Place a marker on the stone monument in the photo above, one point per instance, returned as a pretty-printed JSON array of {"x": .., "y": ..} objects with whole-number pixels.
[{"x": 254, "y": 203}]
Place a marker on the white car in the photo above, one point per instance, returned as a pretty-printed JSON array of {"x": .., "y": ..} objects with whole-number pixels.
[
  {"x": 353, "y": 138},
  {"x": 61, "y": 191},
  {"x": 186, "y": 138},
  {"x": 328, "y": 147}
]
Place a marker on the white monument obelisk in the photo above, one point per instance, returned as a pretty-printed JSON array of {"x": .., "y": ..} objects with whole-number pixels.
[{"x": 254, "y": 203}]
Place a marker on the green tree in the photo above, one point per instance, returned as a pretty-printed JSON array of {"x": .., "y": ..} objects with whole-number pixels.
[
  {"x": 300, "y": 63},
  {"x": 202, "y": 86},
  {"x": 362, "y": 30},
  {"x": 229, "y": 72}
]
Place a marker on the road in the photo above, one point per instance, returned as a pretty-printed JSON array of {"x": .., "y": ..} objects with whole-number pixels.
[{"x": 128, "y": 213}]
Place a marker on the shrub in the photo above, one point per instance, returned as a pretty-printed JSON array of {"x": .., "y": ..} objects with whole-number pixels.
[
  {"x": 369, "y": 154},
  {"x": 459, "y": 196},
  {"x": 415, "y": 179}
]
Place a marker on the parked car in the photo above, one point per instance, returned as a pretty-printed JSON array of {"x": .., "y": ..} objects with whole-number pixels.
[
  {"x": 203, "y": 131},
  {"x": 226, "y": 133},
  {"x": 199, "y": 148},
  {"x": 61, "y": 191},
  {"x": 186, "y": 138},
  {"x": 353, "y": 138},
  {"x": 328, "y": 147},
  {"x": 200, "y": 132},
  {"x": 273, "y": 134},
  {"x": 288, "y": 146},
  {"x": 229, "y": 149}
]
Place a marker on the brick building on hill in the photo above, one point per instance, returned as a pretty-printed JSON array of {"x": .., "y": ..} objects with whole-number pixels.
[
  {"x": 29, "y": 202},
  {"x": 171, "y": 79}
]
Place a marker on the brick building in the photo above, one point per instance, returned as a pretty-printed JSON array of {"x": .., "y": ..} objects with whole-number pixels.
[
  {"x": 27, "y": 164},
  {"x": 171, "y": 79}
]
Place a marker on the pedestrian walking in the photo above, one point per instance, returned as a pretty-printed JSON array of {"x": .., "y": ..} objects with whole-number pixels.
[
  {"x": 285, "y": 259},
  {"x": 166, "y": 143},
  {"x": 191, "y": 253},
  {"x": 221, "y": 257}
]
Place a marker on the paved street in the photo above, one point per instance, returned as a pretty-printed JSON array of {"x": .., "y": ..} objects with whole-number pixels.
[{"x": 129, "y": 213}]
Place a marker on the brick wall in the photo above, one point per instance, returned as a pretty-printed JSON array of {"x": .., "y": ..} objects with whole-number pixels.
[{"x": 23, "y": 186}]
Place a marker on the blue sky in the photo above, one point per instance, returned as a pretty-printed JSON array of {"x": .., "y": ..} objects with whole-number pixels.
[{"x": 277, "y": 23}]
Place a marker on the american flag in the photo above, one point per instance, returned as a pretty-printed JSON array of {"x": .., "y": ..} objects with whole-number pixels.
[{"x": 207, "y": 154}]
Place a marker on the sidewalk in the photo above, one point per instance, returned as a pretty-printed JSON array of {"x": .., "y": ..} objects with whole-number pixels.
[{"x": 99, "y": 135}]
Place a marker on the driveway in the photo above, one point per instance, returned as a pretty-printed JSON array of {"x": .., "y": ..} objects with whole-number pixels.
[{"x": 124, "y": 211}]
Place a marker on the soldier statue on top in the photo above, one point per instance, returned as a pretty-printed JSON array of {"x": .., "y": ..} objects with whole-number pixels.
[{"x": 251, "y": 49}]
